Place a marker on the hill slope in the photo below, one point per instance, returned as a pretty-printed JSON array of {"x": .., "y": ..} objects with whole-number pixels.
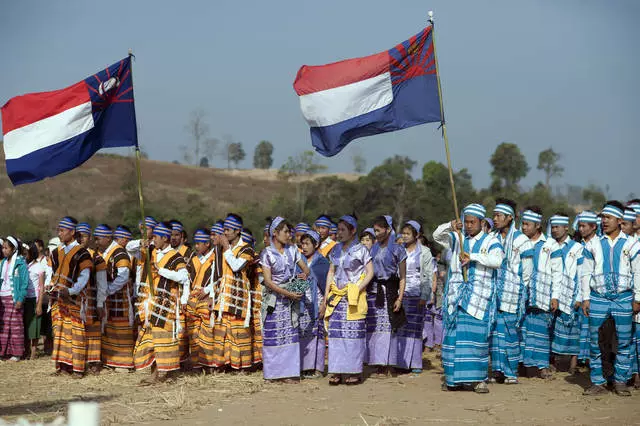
[{"x": 104, "y": 189}]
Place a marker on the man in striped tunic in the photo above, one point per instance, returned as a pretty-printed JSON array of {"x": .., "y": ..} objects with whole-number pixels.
[
  {"x": 158, "y": 346},
  {"x": 115, "y": 302},
  {"x": 469, "y": 300},
  {"x": 512, "y": 285},
  {"x": 536, "y": 327},
  {"x": 71, "y": 265},
  {"x": 611, "y": 288}
]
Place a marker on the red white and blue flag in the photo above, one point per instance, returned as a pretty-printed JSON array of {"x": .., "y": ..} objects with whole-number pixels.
[
  {"x": 49, "y": 133},
  {"x": 358, "y": 97}
]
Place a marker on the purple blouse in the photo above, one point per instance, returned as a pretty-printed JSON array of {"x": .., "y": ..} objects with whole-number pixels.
[
  {"x": 349, "y": 264},
  {"x": 282, "y": 265}
]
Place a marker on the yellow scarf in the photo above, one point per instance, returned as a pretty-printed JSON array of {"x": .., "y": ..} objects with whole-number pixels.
[{"x": 356, "y": 299}]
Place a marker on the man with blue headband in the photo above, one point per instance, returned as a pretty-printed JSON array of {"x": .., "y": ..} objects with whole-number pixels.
[
  {"x": 611, "y": 288},
  {"x": 71, "y": 265},
  {"x": 469, "y": 300},
  {"x": 512, "y": 283},
  {"x": 536, "y": 326},
  {"x": 565, "y": 295},
  {"x": 322, "y": 226}
]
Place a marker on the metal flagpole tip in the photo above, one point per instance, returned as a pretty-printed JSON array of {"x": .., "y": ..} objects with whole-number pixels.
[
  {"x": 130, "y": 52},
  {"x": 430, "y": 14}
]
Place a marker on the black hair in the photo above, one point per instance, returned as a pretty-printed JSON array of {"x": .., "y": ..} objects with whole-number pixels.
[
  {"x": 634, "y": 201},
  {"x": 324, "y": 216},
  {"x": 508, "y": 202},
  {"x": 106, "y": 226},
  {"x": 381, "y": 221},
  {"x": 71, "y": 219},
  {"x": 414, "y": 232},
  {"x": 32, "y": 252},
  {"x": 248, "y": 231},
  {"x": 39, "y": 242},
  {"x": 561, "y": 213},
  {"x": 535, "y": 209},
  {"x": 614, "y": 203}
]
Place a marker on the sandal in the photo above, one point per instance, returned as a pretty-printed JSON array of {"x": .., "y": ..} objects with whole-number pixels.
[
  {"x": 335, "y": 380},
  {"x": 353, "y": 380}
]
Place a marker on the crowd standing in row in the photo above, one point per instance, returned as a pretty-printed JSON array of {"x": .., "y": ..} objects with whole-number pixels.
[{"x": 502, "y": 300}]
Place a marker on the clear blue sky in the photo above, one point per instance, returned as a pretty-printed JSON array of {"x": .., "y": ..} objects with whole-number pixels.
[{"x": 538, "y": 73}]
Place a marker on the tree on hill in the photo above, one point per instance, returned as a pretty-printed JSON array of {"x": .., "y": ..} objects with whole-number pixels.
[
  {"x": 235, "y": 153},
  {"x": 204, "y": 162},
  {"x": 358, "y": 160},
  {"x": 548, "y": 162},
  {"x": 302, "y": 165},
  {"x": 198, "y": 130},
  {"x": 263, "y": 155},
  {"x": 509, "y": 167}
]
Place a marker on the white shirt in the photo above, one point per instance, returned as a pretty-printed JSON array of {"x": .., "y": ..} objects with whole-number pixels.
[
  {"x": 566, "y": 275},
  {"x": 181, "y": 276},
  {"x": 597, "y": 269},
  {"x": 517, "y": 271},
  {"x": 236, "y": 263},
  {"x": 35, "y": 272},
  {"x": 486, "y": 259},
  {"x": 83, "y": 277},
  {"x": 7, "y": 276}
]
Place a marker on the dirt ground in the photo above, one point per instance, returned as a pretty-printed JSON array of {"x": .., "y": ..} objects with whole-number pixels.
[{"x": 29, "y": 390}]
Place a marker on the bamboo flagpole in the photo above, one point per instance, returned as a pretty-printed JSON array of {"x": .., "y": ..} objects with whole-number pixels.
[
  {"x": 140, "y": 196},
  {"x": 443, "y": 125}
]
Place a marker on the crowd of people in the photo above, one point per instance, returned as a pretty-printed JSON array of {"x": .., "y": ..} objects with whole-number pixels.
[{"x": 501, "y": 295}]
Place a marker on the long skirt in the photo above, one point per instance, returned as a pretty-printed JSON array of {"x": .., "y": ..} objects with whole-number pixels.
[
  {"x": 635, "y": 349},
  {"x": 118, "y": 343},
  {"x": 280, "y": 343},
  {"x": 228, "y": 343},
  {"x": 157, "y": 345},
  {"x": 69, "y": 340},
  {"x": 11, "y": 328},
  {"x": 32, "y": 322},
  {"x": 432, "y": 330},
  {"x": 410, "y": 335},
  {"x": 585, "y": 346},
  {"x": 505, "y": 345},
  {"x": 183, "y": 338},
  {"x": 382, "y": 343},
  {"x": 465, "y": 350},
  {"x": 619, "y": 307},
  {"x": 536, "y": 338},
  {"x": 93, "y": 334},
  {"x": 347, "y": 341},
  {"x": 312, "y": 345},
  {"x": 256, "y": 325},
  {"x": 566, "y": 334}
]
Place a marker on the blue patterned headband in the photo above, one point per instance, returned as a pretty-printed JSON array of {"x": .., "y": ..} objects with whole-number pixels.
[
  {"x": 175, "y": 226},
  {"x": 613, "y": 211},
  {"x": 505, "y": 209},
  {"x": 102, "y": 231},
  {"x": 274, "y": 224},
  {"x": 83, "y": 228},
  {"x": 161, "y": 231},
  {"x": 313, "y": 235},
  {"x": 232, "y": 222},
  {"x": 476, "y": 210},
  {"x": 531, "y": 216},
  {"x": 122, "y": 233},
  {"x": 201, "y": 236},
  {"x": 323, "y": 222},
  {"x": 150, "y": 222},
  {"x": 415, "y": 225},
  {"x": 217, "y": 228},
  {"x": 302, "y": 228},
  {"x": 67, "y": 223},
  {"x": 350, "y": 220},
  {"x": 629, "y": 215}
]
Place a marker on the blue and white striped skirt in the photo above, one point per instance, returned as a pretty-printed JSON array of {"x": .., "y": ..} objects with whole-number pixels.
[
  {"x": 505, "y": 345},
  {"x": 566, "y": 334},
  {"x": 465, "y": 350},
  {"x": 536, "y": 338}
]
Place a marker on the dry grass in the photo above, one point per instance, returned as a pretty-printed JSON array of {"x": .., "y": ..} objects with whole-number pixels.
[{"x": 29, "y": 390}]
